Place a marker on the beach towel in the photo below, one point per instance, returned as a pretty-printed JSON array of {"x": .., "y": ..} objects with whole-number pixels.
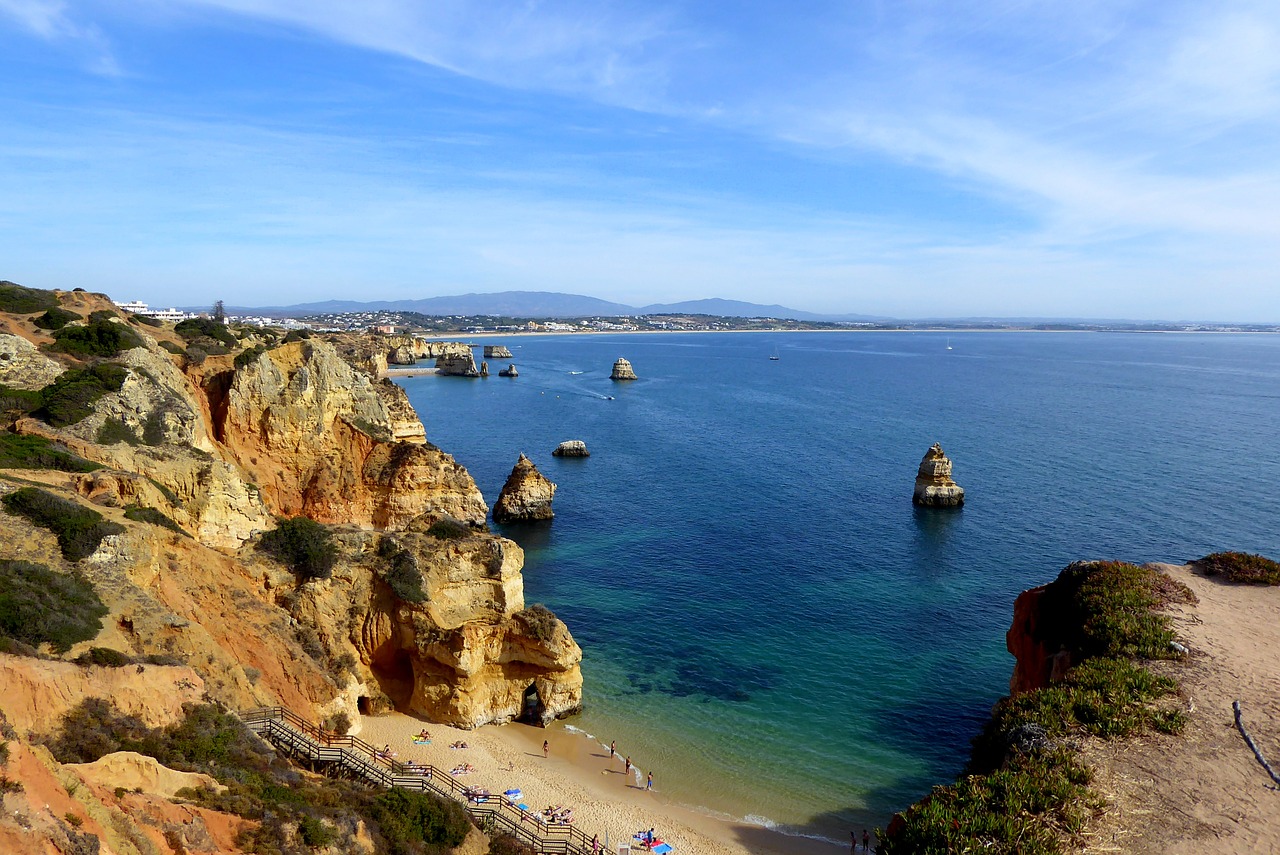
[
  {"x": 522, "y": 806},
  {"x": 417, "y": 741},
  {"x": 661, "y": 848},
  {"x": 514, "y": 793}
]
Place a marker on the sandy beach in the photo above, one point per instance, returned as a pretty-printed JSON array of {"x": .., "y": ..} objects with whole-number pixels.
[{"x": 579, "y": 774}]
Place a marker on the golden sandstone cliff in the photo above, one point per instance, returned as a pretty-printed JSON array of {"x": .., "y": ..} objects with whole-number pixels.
[{"x": 423, "y": 611}]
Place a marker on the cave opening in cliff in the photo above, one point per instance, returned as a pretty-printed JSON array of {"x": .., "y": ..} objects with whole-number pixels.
[
  {"x": 532, "y": 708},
  {"x": 394, "y": 673}
]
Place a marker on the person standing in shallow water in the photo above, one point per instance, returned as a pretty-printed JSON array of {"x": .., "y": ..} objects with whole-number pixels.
[
  {"x": 648, "y": 784},
  {"x": 613, "y": 748},
  {"x": 866, "y": 841},
  {"x": 627, "y": 771}
]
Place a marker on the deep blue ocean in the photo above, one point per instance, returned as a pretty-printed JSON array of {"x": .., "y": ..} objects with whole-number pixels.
[{"x": 767, "y": 622}]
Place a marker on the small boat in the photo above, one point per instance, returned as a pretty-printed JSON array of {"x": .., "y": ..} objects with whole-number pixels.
[
  {"x": 949, "y": 344},
  {"x": 775, "y": 356}
]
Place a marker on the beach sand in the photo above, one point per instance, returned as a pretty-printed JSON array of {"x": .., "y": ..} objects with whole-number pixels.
[{"x": 579, "y": 774}]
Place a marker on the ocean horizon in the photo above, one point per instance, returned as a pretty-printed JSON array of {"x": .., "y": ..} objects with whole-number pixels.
[{"x": 768, "y": 624}]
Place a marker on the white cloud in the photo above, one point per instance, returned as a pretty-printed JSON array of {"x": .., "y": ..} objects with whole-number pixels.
[{"x": 49, "y": 20}]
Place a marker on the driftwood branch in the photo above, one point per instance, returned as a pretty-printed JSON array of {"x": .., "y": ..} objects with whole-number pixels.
[{"x": 1257, "y": 752}]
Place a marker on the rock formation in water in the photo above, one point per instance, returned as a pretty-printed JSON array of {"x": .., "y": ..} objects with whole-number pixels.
[
  {"x": 457, "y": 365},
  {"x": 934, "y": 487},
  {"x": 401, "y": 355},
  {"x": 496, "y": 351},
  {"x": 526, "y": 496},
  {"x": 509, "y": 371},
  {"x": 571, "y": 448},
  {"x": 484, "y": 369},
  {"x": 431, "y": 618},
  {"x": 622, "y": 370}
]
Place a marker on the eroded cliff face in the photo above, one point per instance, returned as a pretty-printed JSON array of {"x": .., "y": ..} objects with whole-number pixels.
[
  {"x": 430, "y": 619},
  {"x": 468, "y": 653},
  {"x": 317, "y": 438}
]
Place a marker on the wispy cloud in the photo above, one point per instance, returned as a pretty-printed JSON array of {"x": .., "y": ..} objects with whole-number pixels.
[{"x": 50, "y": 20}]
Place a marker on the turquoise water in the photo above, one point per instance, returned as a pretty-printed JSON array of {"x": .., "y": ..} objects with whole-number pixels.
[{"x": 767, "y": 622}]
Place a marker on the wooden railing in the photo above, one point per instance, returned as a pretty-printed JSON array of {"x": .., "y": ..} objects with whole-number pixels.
[{"x": 300, "y": 739}]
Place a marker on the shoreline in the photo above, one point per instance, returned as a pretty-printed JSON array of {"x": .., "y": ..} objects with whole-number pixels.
[{"x": 578, "y": 773}]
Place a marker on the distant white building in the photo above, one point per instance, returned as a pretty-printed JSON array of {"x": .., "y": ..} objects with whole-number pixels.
[{"x": 137, "y": 307}]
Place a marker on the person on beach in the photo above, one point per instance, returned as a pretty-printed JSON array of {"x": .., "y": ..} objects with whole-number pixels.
[
  {"x": 853, "y": 842},
  {"x": 613, "y": 748},
  {"x": 627, "y": 770},
  {"x": 866, "y": 841},
  {"x": 546, "y": 748},
  {"x": 595, "y": 844},
  {"x": 648, "y": 784}
]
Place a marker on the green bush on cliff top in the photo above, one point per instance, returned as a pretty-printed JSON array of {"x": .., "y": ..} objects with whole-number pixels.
[
  {"x": 24, "y": 301},
  {"x": 1024, "y": 791},
  {"x": 70, "y": 398},
  {"x": 56, "y": 318},
  {"x": 79, "y": 530},
  {"x": 1241, "y": 567},
  {"x": 39, "y": 606},
  {"x": 99, "y": 337},
  {"x": 303, "y": 544}
]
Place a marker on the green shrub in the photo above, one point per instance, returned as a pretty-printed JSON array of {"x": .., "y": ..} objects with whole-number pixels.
[
  {"x": 244, "y": 357},
  {"x": 24, "y": 301},
  {"x": 140, "y": 513},
  {"x": 171, "y": 496},
  {"x": 113, "y": 431},
  {"x": 314, "y": 833},
  {"x": 153, "y": 429},
  {"x": 79, "y": 530},
  {"x": 99, "y": 337},
  {"x": 194, "y": 328},
  {"x": 303, "y": 544},
  {"x": 407, "y": 818},
  {"x": 147, "y": 320},
  {"x": 173, "y": 348},
  {"x": 22, "y": 451},
  {"x": 104, "y": 657},
  {"x": 338, "y": 723},
  {"x": 540, "y": 620},
  {"x": 448, "y": 528},
  {"x": 56, "y": 318},
  {"x": 70, "y": 398},
  {"x": 400, "y": 571},
  {"x": 505, "y": 844},
  {"x": 1241, "y": 567},
  {"x": 297, "y": 335},
  {"x": 39, "y": 606},
  {"x": 19, "y": 401},
  {"x": 1108, "y": 608}
]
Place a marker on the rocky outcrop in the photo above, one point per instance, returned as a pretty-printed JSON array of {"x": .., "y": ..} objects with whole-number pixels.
[
  {"x": 133, "y": 771},
  {"x": 496, "y": 351},
  {"x": 509, "y": 371},
  {"x": 402, "y": 355},
  {"x": 457, "y": 365},
  {"x": 571, "y": 448},
  {"x": 38, "y": 692},
  {"x": 484, "y": 369},
  {"x": 466, "y": 653},
  {"x": 622, "y": 370},
  {"x": 316, "y": 438},
  {"x": 22, "y": 366},
  {"x": 1036, "y": 663},
  {"x": 934, "y": 487},
  {"x": 526, "y": 496}
]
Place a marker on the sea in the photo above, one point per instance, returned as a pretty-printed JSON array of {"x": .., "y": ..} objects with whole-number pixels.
[{"x": 767, "y": 622}]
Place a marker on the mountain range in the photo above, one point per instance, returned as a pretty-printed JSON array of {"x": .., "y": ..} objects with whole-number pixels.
[{"x": 540, "y": 304}]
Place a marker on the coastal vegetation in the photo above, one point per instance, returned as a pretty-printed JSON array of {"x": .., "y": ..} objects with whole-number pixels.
[
  {"x": 79, "y": 529},
  {"x": 540, "y": 620},
  {"x": 400, "y": 571},
  {"x": 1025, "y": 789},
  {"x": 113, "y": 431},
  {"x": 57, "y": 318},
  {"x": 23, "y": 451},
  {"x": 151, "y": 516},
  {"x": 291, "y": 813},
  {"x": 303, "y": 544},
  {"x": 70, "y": 398},
  {"x": 101, "y": 337},
  {"x": 25, "y": 301},
  {"x": 195, "y": 329},
  {"x": 39, "y": 606},
  {"x": 1241, "y": 567}
]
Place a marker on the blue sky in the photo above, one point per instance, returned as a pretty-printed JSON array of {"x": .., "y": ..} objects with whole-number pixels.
[{"x": 1084, "y": 159}]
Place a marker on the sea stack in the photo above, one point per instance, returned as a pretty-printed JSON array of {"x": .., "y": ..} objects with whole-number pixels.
[
  {"x": 496, "y": 351},
  {"x": 484, "y": 369},
  {"x": 934, "y": 487},
  {"x": 526, "y": 496},
  {"x": 509, "y": 371},
  {"x": 457, "y": 364},
  {"x": 571, "y": 448},
  {"x": 622, "y": 370}
]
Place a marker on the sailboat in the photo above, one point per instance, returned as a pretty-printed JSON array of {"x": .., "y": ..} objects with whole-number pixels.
[
  {"x": 775, "y": 356},
  {"x": 948, "y": 344}
]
